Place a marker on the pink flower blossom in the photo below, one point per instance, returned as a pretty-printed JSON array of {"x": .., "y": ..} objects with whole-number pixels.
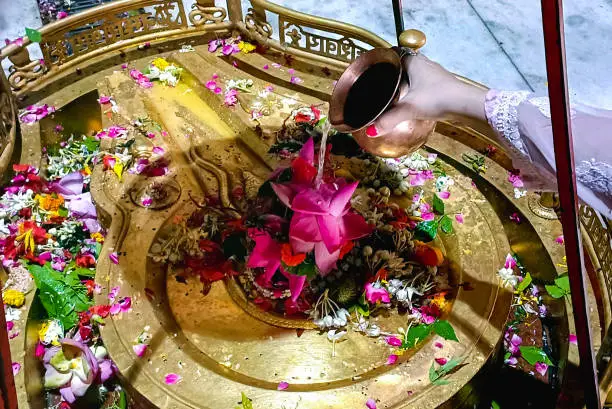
[
  {"x": 291, "y": 71},
  {"x": 39, "y": 350},
  {"x": 140, "y": 78},
  {"x": 282, "y": 386},
  {"x": 112, "y": 294},
  {"x": 61, "y": 15},
  {"x": 515, "y": 218},
  {"x": 265, "y": 67},
  {"x": 146, "y": 201},
  {"x": 231, "y": 98},
  {"x": 16, "y": 368},
  {"x": 515, "y": 179},
  {"x": 438, "y": 345},
  {"x": 140, "y": 349},
  {"x": 10, "y": 325},
  {"x": 573, "y": 339},
  {"x": 371, "y": 404},
  {"x": 112, "y": 132},
  {"x": 515, "y": 343},
  {"x": 541, "y": 368},
  {"x": 114, "y": 257},
  {"x": 296, "y": 80},
  {"x": 391, "y": 360},
  {"x": 213, "y": 45},
  {"x": 393, "y": 341},
  {"x": 560, "y": 240},
  {"x": 459, "y": 218},
  {"x": 510, "y": 261},
  {"x": 229, "y": 49},
  {"x": 123, "y": 305},
  {"x": 158, "y": 150},
  {"x": 150, "y": 135},
  {"x": 441, "y": 361},
  {"x": 35, "y": 113},
  {"x": 419, "y": 177},
  {"x": 215, "y": 76},
  {"x": 104, "y": 99},
  {"x": 218, "y": 90},
  {"x": 276, "y": 65},
  {"x": 172, "y": 379},
  {"x": 18, "y": 41},
  {"x": 211, "y": 85},
  {"x": 374, "y": 295},
  {"x": 443, "y": 195},
  {"x": 512, "y": 361}
]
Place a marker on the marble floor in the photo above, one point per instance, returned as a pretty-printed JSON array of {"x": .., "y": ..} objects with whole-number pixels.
[{"x": 496, "y": 42}]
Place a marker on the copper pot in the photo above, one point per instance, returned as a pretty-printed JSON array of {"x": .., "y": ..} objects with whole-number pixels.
[{"x": 372, "y": 85}]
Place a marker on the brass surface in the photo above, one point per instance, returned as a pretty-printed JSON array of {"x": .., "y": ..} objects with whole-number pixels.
[
  {"x": 413, "y": 39},
  {"x": 543, "y": 205},
  {"x": 8, "y": 126}
]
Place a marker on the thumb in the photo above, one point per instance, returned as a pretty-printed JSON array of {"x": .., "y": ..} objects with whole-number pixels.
[{"x": 385, "y": 123}]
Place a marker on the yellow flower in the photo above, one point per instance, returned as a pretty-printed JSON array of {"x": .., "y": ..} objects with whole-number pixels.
[
  {"x": 440, "y": 300},
  {"x": 97, "y": 237},
  {"x": 50, "y": 332},
  {"x": 87, "y": 170},
  {"x": 13, "y": 298},
  {"x": 246, "y": 47},
  {"x": 50, "y": 203},
  {"x": 160, "y": 63}
]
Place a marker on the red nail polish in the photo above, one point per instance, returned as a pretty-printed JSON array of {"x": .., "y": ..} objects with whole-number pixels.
[{"x": 371, "y": 131}]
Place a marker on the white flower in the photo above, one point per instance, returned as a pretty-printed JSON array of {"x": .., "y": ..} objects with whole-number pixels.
[
  {"x": 508, "y": 277},
  {"x": 518, "y": 193},
  {"x": 11, "y": 314},
  {"x": 373, "y": 331},
  {"x": 401, "y": 295},
  {"x": 334, "y": 335}
]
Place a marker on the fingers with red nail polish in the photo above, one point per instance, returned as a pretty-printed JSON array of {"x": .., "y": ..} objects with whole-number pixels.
[{"x": 371, "y": 131}]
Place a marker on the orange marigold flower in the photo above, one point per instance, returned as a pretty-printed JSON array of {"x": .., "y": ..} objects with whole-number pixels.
[
  {"x": 440, "y": 300},
  {"x": 50, "y": 203},
  {"x": 289, "y": 258}
]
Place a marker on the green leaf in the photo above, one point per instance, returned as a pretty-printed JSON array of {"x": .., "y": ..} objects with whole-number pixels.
[
  {"x": 85, "y": 272},
  {"x": 433, "y": 374},
  {"x": 416, "y": 334},
  {"x": 33, "y": 35},
  {"x": 495, "y": 405},
  {"x": 246, "y": 402},
  {"x": 436, "y": 374},
  {"x": 438, "y": 205},
  {"x": 563, "y": 283},
  {"x": 445, "y": 330},
  {"x": 533, "y": 354},
  {"x": 426, "y": 231},
  {"x": 92, "y": 144},
  {"x": 525, "y": 283},
  {"x": 446, "y": 224},
  {"x": 450, "y": 365},
  {"x": 554, "y": 291},
  {"x": 62, "y": 295},
  {"x": 62, "y": 212}
]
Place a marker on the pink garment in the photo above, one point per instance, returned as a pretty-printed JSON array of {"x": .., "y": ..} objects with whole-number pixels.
[{"x": 523, "y": 120}]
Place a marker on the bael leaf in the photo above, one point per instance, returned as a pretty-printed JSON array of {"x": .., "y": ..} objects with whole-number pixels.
[
  {"x": 426, "y": 231},
  {"x": 62, "y": 295},
  {"x": 554, "y": 291},
  {"x": 525, "y": 283},
  {"x": 436, "y": 374},
  {"x": 533, "y": 354},
  {"x": 446, "y": 224},
  {"x": 246, "y": 402},
  {"x": 438, "y": 205},
  {"x": 33, "y": 35},
  {"x": 563, "y": 283},
  {"x": 449, "y": 366},
  {"x": 416, "y": 334},
  {"x": 445, "y": 330},
  {"x": 495, "y": 405}
]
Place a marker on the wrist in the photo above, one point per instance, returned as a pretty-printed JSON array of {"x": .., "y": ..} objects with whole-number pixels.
[{"x": 464, "y": 99}]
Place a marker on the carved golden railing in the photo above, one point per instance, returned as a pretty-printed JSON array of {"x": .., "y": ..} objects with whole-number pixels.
[{"x": 8, "y": 125}]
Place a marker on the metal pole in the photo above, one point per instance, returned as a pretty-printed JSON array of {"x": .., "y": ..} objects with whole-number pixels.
[
  {"x": 398, "y": 14},
  {"x": 554, "y": 41}
]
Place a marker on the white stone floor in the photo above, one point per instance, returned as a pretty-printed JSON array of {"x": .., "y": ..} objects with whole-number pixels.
[{"x": 496, "y": 42}]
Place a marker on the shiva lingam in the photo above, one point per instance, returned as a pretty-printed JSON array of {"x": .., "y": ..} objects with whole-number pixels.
[{"x": 371, "y": 86}]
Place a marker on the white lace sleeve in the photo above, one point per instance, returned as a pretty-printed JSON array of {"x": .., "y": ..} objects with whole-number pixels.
[{"x": 523, "y": 121}]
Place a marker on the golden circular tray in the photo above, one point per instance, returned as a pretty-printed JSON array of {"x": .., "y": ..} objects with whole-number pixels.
[{"x": 218, "y": 347}]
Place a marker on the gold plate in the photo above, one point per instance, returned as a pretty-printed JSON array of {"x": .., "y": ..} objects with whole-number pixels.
[{"x": 212, "y": 342}]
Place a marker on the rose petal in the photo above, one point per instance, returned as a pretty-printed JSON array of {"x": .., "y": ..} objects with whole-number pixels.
[
  {"x": 573, "y": 339},
  {"x": 438, "y": 345},
  {"x": 172, "y": 379},
  {"x": 392, "y": 359},
  {"x": 444, "y": 195},
  {"x": 393, "y": 341},
  {"x": 371, "y": 404},
  {"x": 441, "y": 361},
  {"x": 282, "y": 386},
  {"x": 541, "y": 368},
  {"x": 140, "y": 349},
  {"x": 114, "y": 257},
  {"x": 16, "y": 368},
  {"x": 459, "y": 218}
]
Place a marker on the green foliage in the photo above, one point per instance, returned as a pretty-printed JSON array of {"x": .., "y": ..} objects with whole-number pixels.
[
  {"x": 33, "y": 35},
  {"x": 438, "y": 205},
  {"x": 245, "y": 403},
  {"x": 445, "y": 330},
  {"x": 92, "y": 144},
  {"x": 62, "y": 295},
  {"x": 362, "y": 307},
  {"x": 426, "y": 231},
  {"x": 533, "y": 354},
  {"x": 525, "y": 283},
  {"x": 416, "y": 334},
  {"x": 446, "y": 224},
  {"x": 436, "y": 375},
  {"x": 306, "y": 268},
  {"x": 495, "y": 405},
  {"x": 561, "y": 287}
]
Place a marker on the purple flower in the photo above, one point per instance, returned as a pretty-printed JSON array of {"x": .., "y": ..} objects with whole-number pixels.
[
  {"x": 515, "y": 342},
  {"x": 541, "y": 368}
]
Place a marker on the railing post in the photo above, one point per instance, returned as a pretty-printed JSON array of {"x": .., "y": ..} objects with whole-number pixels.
[
  {"x": 554, "y": 42},
  {"x": 234, "y": 9}
]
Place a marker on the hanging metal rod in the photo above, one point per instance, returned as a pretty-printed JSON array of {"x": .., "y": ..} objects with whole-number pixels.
[{"x": 398, "y": 14}]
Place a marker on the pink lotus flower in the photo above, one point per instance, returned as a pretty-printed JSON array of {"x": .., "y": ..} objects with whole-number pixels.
[
  {"x": 322, "y": 219},
  {"x": 267, "y": 255},
  {"x": 374, "y": 295}
]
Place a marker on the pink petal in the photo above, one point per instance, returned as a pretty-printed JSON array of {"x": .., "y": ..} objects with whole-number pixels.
[
  {"x": 291, "y": 71},
  {"x": 172, "y": 379},
  {"x": 114, "y": 257},
  {"x": 541, "y": 368},
  {"x": 140, "y": 349},
  {"x": 158, "y": 150},
  {"x": 296, "y": 284},
  {"x": 391, "y": 360},
  {"x": 296, "y": 80},
  {"x": 265, "y": 67},
  {"x": 354, "y": 226},
  {"x": 112, "y": 294},
  {"x": 394, "y": 341},
  {"x": 307, "y": 152},
  {"x": 330, "y": 232},
  {"x": 573, "y": 339},
  {"x": 438, "y": 345},
  {"x": 9, "y": 325},
  {"x": 310, "y": 202},
  {"x": 342, "y": 198},
  {"x": 560, "y": 240},
  {"x": 282, "y": 386},
  {"x": 40, "y": 350},
  {"x": 459, "y": 218},
  {"x": 371, "y": 404},
  {"x": 16, "y": 368},
  {"x": 443, "y": 195},
  {"x": 115, "y": 309},
  {"x": 211, "y": 85},
  {"x": 516, "y": 340},
  {"x": 429, "y": 216},
  {"x": 510, "y": 262},
  {"x": 511, "y": 361},
  {"x": 325, "y": 260},
  {"x": 441, "y": 361},
  {"x": 150, "y": 135}
]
